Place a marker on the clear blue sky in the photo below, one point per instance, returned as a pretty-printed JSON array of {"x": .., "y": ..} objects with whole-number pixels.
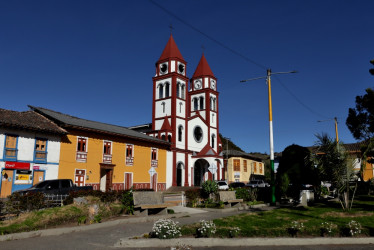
[{"x": 95, "y": 60}]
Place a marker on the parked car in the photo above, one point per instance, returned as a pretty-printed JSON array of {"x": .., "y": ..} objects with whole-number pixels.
[
  {"x": 258, "y": 184},
  {"x": 222, "y": 185},
  {"x": 237, "y": 185},
  {"x": 58, "y": 186}
]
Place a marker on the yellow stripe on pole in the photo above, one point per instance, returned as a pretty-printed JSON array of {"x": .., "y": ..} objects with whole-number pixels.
[{"x": 269, "y": 92}]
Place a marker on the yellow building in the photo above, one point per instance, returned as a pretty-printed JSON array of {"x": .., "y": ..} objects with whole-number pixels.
[
  {"x": 240, "y": 167},
  {"x": 108, "y": 157}
]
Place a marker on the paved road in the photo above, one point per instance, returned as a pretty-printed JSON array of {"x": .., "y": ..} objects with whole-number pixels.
[
  {"x": 102, "y": 237},
  {"x": 109, "y": 235}
]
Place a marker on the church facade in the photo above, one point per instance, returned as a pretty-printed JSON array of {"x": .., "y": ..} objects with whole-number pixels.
[{"x": 185, "y": 113}]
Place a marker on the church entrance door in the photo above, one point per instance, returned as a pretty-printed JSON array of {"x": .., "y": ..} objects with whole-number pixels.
[{"x": 200, "y": 172}]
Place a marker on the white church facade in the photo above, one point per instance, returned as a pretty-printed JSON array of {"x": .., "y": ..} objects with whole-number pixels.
[{"x": 185, "y": 113}]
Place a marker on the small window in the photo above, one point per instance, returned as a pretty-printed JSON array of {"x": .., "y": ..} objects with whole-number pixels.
[
  {"x": 129, "y": 155},
  {"x": 213, "y": 140},
  {"x": 163, "y": 107},
  {"x": 198, "y": 134},
  {"x": 40, "y": 150},
  {"x": 154, "y": 154},
  {"x": 182, "y": 91},
  {"x": 11, "y": 147},
  {"x": 167, "y": 89},
  {"x": 201, "y": 102},
  {"x": 65, "y": 183},
  {"x": 107, "y": 148},
  {"x": 169, "y": 138},
  {"x": 245, "y": 166},
  {"x": 180, "y": 130},
  {"x": 81, "y": 146},
  {"x": 236, "y": 165},
  {"x": 160, "y": 91},
  {"x": 195, "y": 104},
  {"x": 178, "y": 89}
]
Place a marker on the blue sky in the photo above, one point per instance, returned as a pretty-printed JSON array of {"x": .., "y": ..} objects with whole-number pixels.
[{"x": 96, "y": 59}]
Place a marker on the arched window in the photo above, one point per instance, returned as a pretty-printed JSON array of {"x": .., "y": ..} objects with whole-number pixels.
[
  {"x": 213, "y": 140},
  {"x": 169, "y": 138},
  {"x": 201, "y": 102},
  {"x": 163, "y": 137},
  {"x": 211, "y": 103},
  {"x": 195, "y": 104},
  {"x": 167, "y": 89},
  {"x": 178, "y": 89},
  {"x": 160, "y": 91},
  {"x": 180, "y": 131},
  {"x": 182, "y": 91}
]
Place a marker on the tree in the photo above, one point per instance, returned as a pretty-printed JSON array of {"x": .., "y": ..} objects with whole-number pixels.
[
  {"x": 360, "y": 119},
  {"x": 334, "y": 165},
  {"x": 372, "y": 70},
  {"x": 295, "y": 163}
]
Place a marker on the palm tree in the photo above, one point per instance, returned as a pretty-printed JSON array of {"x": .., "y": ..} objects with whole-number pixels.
[{"x": 334, "y": 165}]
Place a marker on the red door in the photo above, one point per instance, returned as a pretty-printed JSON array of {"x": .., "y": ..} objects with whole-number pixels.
[{"x": 79, "y": 177}]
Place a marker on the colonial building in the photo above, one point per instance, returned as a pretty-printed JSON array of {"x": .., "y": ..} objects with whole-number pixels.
[
  {"x": 185, "y": 113},
  {"x": 29, "y": 150},
  {"x": 242, "y": 167},
  {"x": 108, "y": 157}
]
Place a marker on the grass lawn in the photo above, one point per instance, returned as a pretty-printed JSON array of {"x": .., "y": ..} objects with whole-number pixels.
[{"x": 276, "y": 223}]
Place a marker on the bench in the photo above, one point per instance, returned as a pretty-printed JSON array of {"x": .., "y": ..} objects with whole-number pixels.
[
  {"x": 229, "y": 199},
  {"x": 145, "y": 201}
]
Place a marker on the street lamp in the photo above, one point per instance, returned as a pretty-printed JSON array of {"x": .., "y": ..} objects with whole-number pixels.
[
  {"x": 268, "y": 81},
  {"x": 336, "y": 127}
]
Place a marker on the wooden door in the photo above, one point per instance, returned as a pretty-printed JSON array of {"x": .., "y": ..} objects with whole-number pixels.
[
  {"x": 108, "y": 182},
  {"x": 38, "y": 177},
  {"x": 154, "y": 182},
  {"x": 6, "y": 183},
  {"x": 128, "y": 181},
  {"x": 80, "y": 174}
]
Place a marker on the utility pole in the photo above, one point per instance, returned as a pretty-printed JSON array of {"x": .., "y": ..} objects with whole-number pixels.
[
  {"x": 268, "y": 81},
  {"x": 336, "y": 127},
  {"x": 227, "y": 155}
]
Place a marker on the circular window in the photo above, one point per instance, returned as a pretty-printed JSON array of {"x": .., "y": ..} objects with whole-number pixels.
[
  {"x": 198, "y": 134},
  {"x": 163, "y": 68},
  {"x": 181, "y": 68}
]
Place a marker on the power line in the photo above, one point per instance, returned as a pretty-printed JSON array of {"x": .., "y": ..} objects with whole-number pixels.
[
  {"x": 236, "y": 53},
  {"x": 208, "y": 36}
]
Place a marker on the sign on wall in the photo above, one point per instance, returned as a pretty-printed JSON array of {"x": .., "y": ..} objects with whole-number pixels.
[{"x": 17, "y": 165}]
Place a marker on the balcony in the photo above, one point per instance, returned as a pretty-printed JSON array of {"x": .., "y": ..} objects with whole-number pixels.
[
  {"x": 41, "y": 156},
  {"x": 129, "y": 161},
  {"x": 107, "y": 158},
  {"x": 81, "y": 156},
  {"x": 10, "y": 154},
  {"x": 154, "y": 163}
]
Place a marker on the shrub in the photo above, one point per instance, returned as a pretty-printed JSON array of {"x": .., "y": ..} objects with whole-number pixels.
[
  {"x": 206, "y": 229},
  {"x": 295, "y": 228},
  {"x": 234, "y": 232},
  {"x": 209, "y": 187},
  {"x": 193, "y": 195},
  {"x": 327, "y": 228},
  {"x": 165, "y": 229},
  {"x": 18, "y": 203},
  {"x": 354, "y": 228},
  {"x": 243, "y": 193},
  {"x": 127, "y": 201}
]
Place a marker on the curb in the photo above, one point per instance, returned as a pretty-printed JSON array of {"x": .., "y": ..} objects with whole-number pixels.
[
  {"x": 60, "y": 231},
  {"x": 240, "y": 242}
]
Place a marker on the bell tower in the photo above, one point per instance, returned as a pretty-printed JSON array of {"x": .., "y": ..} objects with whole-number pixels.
[
  {"x": 203, "y": 100},
  {"x": 169, "y": 95}
]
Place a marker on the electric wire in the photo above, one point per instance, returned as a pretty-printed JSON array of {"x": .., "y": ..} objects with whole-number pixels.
[{"x": 236, "y": 53}]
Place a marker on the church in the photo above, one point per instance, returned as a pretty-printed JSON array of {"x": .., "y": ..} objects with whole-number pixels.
[{"x": 185, "y": 112}]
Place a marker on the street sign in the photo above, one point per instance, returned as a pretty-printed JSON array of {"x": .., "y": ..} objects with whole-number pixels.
[
  {"x": 152, "y": 171},
  {"x": 213, "y": 168}
]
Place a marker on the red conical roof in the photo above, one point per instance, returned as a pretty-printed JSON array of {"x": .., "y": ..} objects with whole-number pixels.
[
  {"x": 203, "y": 68},
  {"x": 171, "y": 50}
]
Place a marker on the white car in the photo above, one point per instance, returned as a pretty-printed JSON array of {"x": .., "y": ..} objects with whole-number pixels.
[
  {"x": 222, "y": 185},
  {"x": 257, "y": 184}
]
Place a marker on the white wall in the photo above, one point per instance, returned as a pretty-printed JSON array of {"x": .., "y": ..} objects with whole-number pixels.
[
  {"x": 160, "y": 109},
  {"x": 180, "y": 145},
  {"x": 169, "y": 169},
  {"x": 192, "y": 144}
]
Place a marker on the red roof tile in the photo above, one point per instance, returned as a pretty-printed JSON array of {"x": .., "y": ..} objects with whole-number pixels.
[
  {"x": 171, "y": 50},
  {"x": 203, "y": 68}
]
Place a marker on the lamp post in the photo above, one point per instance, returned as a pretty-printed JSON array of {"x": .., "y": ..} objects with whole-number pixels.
[
  {"x": 268, "y": 81},
  {"x": 227, "y": 155},
  {"x": 336, "y": 127}
]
